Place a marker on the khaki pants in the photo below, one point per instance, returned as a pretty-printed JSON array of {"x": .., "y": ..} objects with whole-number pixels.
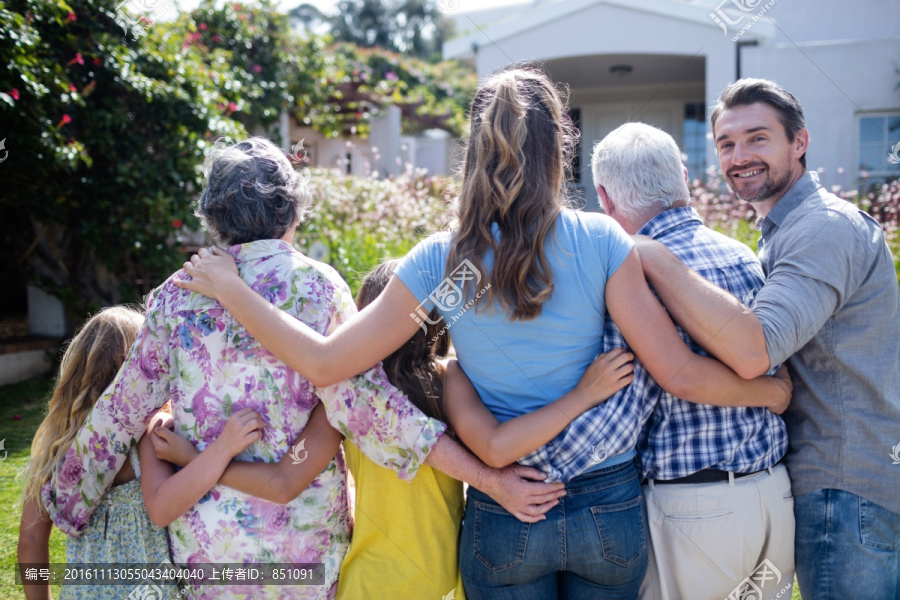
[{"x": 730, "y": 540}]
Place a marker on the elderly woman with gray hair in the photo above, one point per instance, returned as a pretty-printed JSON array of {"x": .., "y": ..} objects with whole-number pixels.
[{"x": 194, "y": 353}]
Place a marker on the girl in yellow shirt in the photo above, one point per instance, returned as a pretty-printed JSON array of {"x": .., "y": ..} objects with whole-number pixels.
[{"x": 405, "y": 535}]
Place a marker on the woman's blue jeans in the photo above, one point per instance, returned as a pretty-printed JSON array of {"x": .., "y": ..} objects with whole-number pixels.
[{"x": 593, "y": 544}]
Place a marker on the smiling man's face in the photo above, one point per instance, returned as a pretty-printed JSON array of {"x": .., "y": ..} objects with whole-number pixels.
[{"x": 759, "y": 162}]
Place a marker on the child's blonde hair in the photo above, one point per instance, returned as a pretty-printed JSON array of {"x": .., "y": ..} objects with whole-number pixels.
[{"x": 89, "y": 365}]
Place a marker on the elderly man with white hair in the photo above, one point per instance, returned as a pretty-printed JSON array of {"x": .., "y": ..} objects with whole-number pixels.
[{"x": 719, "y": 503}]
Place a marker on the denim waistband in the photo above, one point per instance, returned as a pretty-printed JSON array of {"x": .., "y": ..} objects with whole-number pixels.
[{"x": 595, "y": 481}]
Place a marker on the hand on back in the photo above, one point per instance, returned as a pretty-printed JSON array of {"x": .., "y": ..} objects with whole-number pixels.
[{"x": 609, "y": 373}]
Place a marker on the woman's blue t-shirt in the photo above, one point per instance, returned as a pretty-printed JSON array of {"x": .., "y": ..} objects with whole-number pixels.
[{"x": 520, "y": 366}]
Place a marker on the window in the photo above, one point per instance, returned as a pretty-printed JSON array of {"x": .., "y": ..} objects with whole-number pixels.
[
  {"x": 878, "y": 135},
  {"x": 695, "y": 139},
  {"x": 575, "y": 115}
]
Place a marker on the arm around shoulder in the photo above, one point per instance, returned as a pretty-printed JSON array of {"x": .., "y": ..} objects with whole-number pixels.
[{"x": 713, "y": 317}]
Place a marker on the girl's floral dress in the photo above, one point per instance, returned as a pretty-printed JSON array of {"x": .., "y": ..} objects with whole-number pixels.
[
  {"x": 194, "y": 353},
  {"x": 119, "y": 531}
]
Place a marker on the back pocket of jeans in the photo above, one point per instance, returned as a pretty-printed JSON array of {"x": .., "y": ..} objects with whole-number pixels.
[
  {"x": 622, "y": 530},
  {"x": 879, "y": 527},
  {"x": 500, "y": 538}
]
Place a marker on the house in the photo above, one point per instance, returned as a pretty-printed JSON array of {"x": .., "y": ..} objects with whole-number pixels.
[{"x": 664, "y": 62}]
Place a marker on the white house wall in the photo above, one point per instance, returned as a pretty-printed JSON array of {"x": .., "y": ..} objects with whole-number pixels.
[
  {"x": 816, "y": 20},
  {"x": 605, "y": 28}
]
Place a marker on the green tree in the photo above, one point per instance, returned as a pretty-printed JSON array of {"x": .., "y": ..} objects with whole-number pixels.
[
  {"x": 412, "y": 27},
  {"x": 105, "y": 135},
  {"x": 105, "y": 132}
]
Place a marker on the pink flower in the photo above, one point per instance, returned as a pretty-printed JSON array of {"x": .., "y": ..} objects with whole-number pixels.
[
  {"x": 149, "y": 364},
  {"x": 14, "y": 93},
  {"x": 232, "y": 107},
  {"x": 257, "y": 69},
  {"x": 176, "y": 223},
  {"x": 216, "y": 39},
  {"x": 203, "y": 26},
  {"x": 97, "y": 61},
  {"x": 99, "y": 446},
  {"x": 71, "y": 472},
  {"x": 71, "y": 17},
  {"x": 66, "y": 119},
  {"x": 72, "y": 88},
  {"x": 78, "y": 59}
]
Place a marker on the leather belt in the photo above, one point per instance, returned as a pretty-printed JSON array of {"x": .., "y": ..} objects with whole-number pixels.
[
  {"x": 710, "y": 476},
  {"x": 704, "y": 476}
]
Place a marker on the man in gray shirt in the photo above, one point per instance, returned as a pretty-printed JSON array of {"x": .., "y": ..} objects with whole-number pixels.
[{"x": 830, "y": 308}]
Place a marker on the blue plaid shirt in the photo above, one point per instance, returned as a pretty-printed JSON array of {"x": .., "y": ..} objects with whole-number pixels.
[{"x": 674, "y": 438}]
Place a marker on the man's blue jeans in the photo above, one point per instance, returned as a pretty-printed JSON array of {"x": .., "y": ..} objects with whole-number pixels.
[
  {"x": 593, "y": 544},
  {"x": 846, "y": 548}
]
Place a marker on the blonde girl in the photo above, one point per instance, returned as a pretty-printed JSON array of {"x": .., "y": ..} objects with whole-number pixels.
[{"x": 121, "y": 529}]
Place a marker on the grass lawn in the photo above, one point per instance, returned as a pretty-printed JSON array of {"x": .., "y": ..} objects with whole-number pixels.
[{"x": 17, "y": 435}]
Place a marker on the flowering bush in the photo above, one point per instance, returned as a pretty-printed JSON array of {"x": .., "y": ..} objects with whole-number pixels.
[
  {"x": 355, "y": 222},
  {"x": 722, "y": 211}
]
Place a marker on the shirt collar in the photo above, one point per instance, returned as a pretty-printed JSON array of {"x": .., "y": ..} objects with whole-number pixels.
[
  {"x": 259, "y": 249},
  {"x": 669, "y": 219},
  {"x": 797, "y": 193}
]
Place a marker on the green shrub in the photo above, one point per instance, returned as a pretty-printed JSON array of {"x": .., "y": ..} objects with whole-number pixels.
[{"x": 356, "y": 222}]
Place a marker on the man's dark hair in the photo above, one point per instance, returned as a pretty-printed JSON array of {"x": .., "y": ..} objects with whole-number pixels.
[{"x": 744, "y": 92}]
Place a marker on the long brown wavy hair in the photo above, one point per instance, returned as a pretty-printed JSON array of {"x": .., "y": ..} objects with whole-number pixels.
[
  {"x": 521, "y": 140},
  {"x": 415, "y": 368},
  {"x": 89, "y": 365}
]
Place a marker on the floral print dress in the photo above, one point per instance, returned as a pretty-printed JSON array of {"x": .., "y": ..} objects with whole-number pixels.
[{"x": 193, "y": 352}]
